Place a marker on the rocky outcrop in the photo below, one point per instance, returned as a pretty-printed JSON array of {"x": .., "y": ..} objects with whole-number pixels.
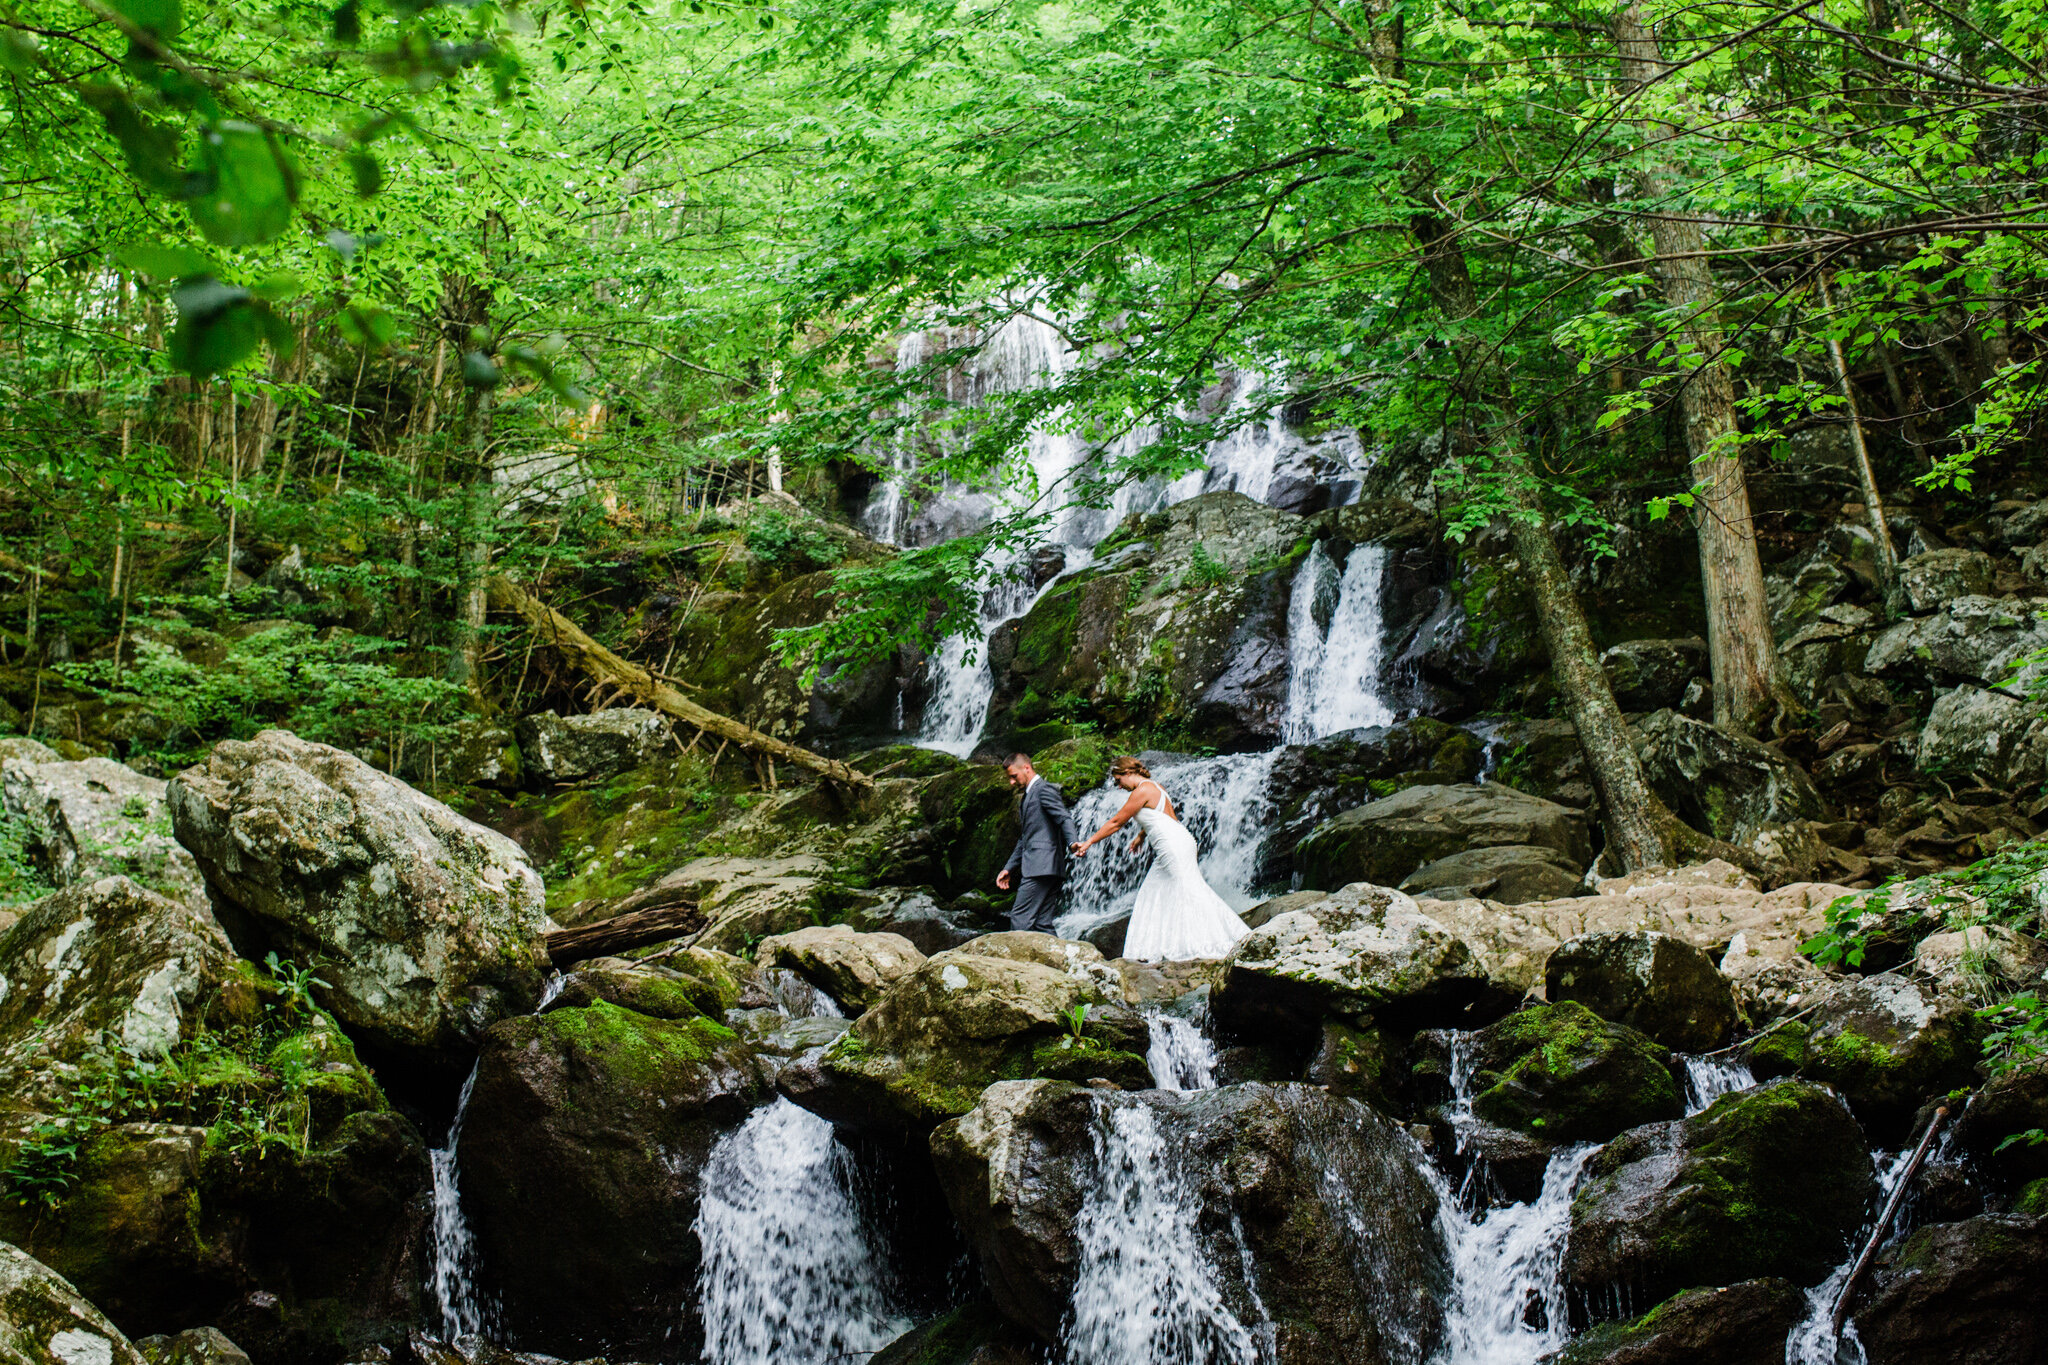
[
  {"x": 1765, "y": 1182},
  {"x": 558, "y": 749},
  {"x": 1653, "y": 982},
  {"x": 929, "y": 924},
  {"x": 1723, "y": 783},
  {"x": 583, "y": 1142},
  {"x": 1992, "y": 738},
  {"x": 1991, "y": 1129},
  {"x": 97, "y": 818},
  {"x": 1967, "y": 1293},
  {"x": 1314, "y": 1204},
  {"x": 1563, "y": 1074},
  {"x": 1387, "y": 840},
  {"x": 679, "y": 986},
  {"x": 851, "y": 967},
  {"x": 1362, "y": 954},
  {"x": 1928, "y": 582},
  {"x": 1000, "y": 1008},
  {"x": 194, "y": 1346},
  {"x": 427, "y": 927},
  {"x": 1975, "y": 639},
  {"x": 1517, "y": 874},
  {"x": 1742, "y": 1324},
  {"x": 1652, "y": 675},
  {"x": 44, "y": 1321},
  {"x": 1981, "y": 962},
  {"x": 1309, "y": 783},
  {"x": 1887, "y": 1043},
  {"x": 480, "y": 753}
]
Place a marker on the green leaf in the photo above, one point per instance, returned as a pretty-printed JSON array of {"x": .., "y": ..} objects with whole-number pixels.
[
  {"x": 478, "y": 370},
  {"x": 150, "y": 146},
  {"x": 369, "y": 175},
  {"x": 277, "y": 286},
  {"x": 161, "y": 18},
  {"x": 348, "y": 23},
  {"x": 366, "y": 324},
  {"x": 165, "y": 262},
  {"x": 249, "y": 185},
  {"x": 217, "y": 327}
]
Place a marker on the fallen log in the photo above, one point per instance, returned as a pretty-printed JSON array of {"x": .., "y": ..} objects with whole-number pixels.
[
  {"x": 623, "y": 933},
  {"x": 604, "y": 666}
]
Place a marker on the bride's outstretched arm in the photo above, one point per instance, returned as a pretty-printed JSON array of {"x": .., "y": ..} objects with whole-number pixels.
[{"x": 1109, "y": 826}]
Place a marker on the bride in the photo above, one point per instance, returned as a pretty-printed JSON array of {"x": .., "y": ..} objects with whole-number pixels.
[{"x": 1177, "y": 916}]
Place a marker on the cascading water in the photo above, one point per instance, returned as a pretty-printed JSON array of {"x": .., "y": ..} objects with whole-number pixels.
[
  {"x": 455, "y": 1293},
  {"x": 1813, "y": 1341},
  {"x": 1335, "y": 635},
  {"x": 1709, "y": 1078},
  {"x": 1181, "y": 1055}
]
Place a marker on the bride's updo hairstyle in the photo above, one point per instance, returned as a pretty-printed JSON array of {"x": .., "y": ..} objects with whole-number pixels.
[{"x": 1129, "y": 766}]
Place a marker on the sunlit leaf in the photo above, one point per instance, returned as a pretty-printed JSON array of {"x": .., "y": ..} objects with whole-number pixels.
[
  {"x": 165, "y": 262},
  {"x": 248, "y": 185},
  {"x": 160, "y": 18}
]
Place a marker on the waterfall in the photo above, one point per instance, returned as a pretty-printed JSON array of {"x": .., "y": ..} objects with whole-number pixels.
[
  {"x": 1813, "y": 1341},
  {"x": 1181, "y": 1056},
  {"x": 1335, "y": 640},
  {"x": 1145, "y": 1292},
  {"x": 462, "y": 1310},
  {"x": 791, "y": 1274},
  {"x": 1709, "y": 1078}
]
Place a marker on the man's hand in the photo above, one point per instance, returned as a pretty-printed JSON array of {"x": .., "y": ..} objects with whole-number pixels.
[
  {"x": 1003, "y": 880},
  {"x": 1079, "y": 849}
]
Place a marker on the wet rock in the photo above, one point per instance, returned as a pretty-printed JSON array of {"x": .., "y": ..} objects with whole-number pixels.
[
  {"x": 1771, "y": 978},
  {"x": 1765, "y": 1182},
  {"x": 851, "y": 967},
  {"x": 1990, "y": 737},
  {"x": 1357, "y": 1063},
  {"x": 1967, "y": 1293},
  {"x": 1928, "y": 582},
  {"x": 930, "y": 926},
  {"x": 194, "y": 1346},
  {"x": 1387, "y": 840},
  {"x": 1562, "y": 1073},
  {"x": 1727, "y": 784},
  {"x": 103, "y": 958},
  {"x": 972, "y": 814},
  {"x": 1651, "y": 675},
  {"x": 1360, "y": 955},
  {"x": 1515, "y": 874},
  {"x": 1003, "y": 1007},
  {"x": 581, "y": 1151},
  {"x": 975, "y": 1335},
  {"x": 1742, "y": 1324},
  {"x": 1309, "y": 783},
  {"x": 1268, "y": 910},
  {"x": 44, "y": 1321},
  {"x": 680, "y": 986},
  {"x": 1543, "y": 758},
  {"x": 97, "y": 818},
  {"x": 2012, "y": 1103},
  {"x": 1887, "y": 1043},
  {"x": 1319, "y": 1197},
  {"x": 600, "y": 744},
  {"x": 1109, "y": 938},
  {"x": 1653, "y": 982},
  {"x": 1980, "y": 962},
  {"x": 426, "y": 926},
  {"x": 1977, "y": 638},
  {"x": 481, "y": 753}
]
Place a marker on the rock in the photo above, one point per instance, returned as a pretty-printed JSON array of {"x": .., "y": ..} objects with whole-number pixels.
[
  {"x": 974, "y": 1335},
  {"x": 1981, "y": 962},
  {"x": 1765, "y": 1182},
  {"x": 581, "y": 1150},
  {"x": 853, "y": 968},
  {"x": 1887, "y": 1043},
  {"x": 27, "y": 750},
  {"x": 2012, "y": 1103},
  {"x": 1309, "y": 783},
  {"x": 1989, "y": 738},
  {"x": 972, "y": 814},
  {"x": 1387, "y": 840},
  {"x": 44, "y": 1321},
  {"x": 1109, "y": 938},
  {"x": 1363, "y": 954},
  {"x": 101, "y": 958},
  {"x": 1771, "y": 978},
  {"x": 1561, "y": 1073},
  {"x": 1928, "y": 582},
  {"x": 426, "y": 926},
  {"x": 1653, "y": 982},
  {"x": 481, "y": 753},
  {"x": 930, "y": 926},
  {"x": 1000, "y": 1008},
  {"x": 1726, "y": 784},
  {"x": 1316, "y": 1201},
  {"x": 1651, "y": 675},
  {"x": 1976, "y": 639},
  {"x": 745, "y": 899},
  {"x": 194, "y": 1346},
  {"x": 682, "y": 986},
  {"x": 1265, "y": 912},
  {"x": 1543, "y": 758},
  {"x": 1510, "y": 873},
  {"x": 600, "y": 744},
  {"x": 97, "y": 818},
  {"x": 1965, "y": 1293},
  {"x": 1742, "y": 1324}
]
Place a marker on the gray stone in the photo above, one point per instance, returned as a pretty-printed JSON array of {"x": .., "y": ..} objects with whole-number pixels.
[
  {"x": 1967, "y": 1293},
  {"x": 1977, "y": 639},
  {"x": 481, "y": 753},
  {"x": 426, "y": 926},
  {"x": 1727, "y": 784},
  {"x": 1929, "y": 582},
  {"x": 1993, "y": 738},
  {"x": 851, "y": 967},
  {"x": 1651, "y": 675},
  {"x": 1387, "y": 840},
  {"x": 1981, "y": 963},
  {"x": 44, "y": 1321},
  {"x": 599, "y": 744},
  {"x": 1654, "y": 982},
  {"x": 1512, "y": 873},
  {"x": 97, "y": 818}
]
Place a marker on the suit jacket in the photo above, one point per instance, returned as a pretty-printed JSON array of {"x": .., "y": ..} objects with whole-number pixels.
[{"x": 1042, "y": 849}]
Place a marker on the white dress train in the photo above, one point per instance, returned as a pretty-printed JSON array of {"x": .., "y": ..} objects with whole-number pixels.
[{"x": 1177, "y": 915}]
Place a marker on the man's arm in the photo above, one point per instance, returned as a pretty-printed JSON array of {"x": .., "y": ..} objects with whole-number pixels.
[{"x": 1069, "y": 835}]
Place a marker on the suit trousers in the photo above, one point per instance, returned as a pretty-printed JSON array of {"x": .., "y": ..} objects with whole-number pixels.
[{"x": 1037, "y": 900}]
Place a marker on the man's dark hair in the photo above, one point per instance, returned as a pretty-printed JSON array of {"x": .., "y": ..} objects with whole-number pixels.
[{"x": 1014, "y": 759}]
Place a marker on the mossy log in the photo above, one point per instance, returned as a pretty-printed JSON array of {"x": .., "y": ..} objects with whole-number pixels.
[
  {"x": 604, "y": 666},
  {"x": 622, "y": 933}
]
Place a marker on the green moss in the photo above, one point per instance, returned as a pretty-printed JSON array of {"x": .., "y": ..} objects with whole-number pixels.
[
  {"x": 638, "y": 1049},
  {"x": 1045, "y": 639},
  {"x": 2033, "y": 1198},
  {"x": 1076, "y": 765},
  {"x": 1564, "y": 1073},
  {"x": 614, "y": 839}
]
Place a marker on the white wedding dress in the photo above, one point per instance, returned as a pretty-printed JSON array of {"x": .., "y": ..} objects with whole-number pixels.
[{"x": 1177, "y": 916}]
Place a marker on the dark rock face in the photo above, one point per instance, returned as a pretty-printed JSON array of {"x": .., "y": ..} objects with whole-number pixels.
[
  {"x": 1387, "y": 840},
  {"x": 1653, "y": 982},
  {"x": 972, "y": 814},
  {"x": 1888, "y": 1043},
  {"x": 581, "y": 1150},
  {"x": 1727, "y": 784},
  {"x": 974, "y": 1335},
  {"x": 1766, "y": 1182},
  {"x": 1743, "y": 1324},
  {"x": 1321, "y": 1196},
  {"x": 1652, "y": 675},
  {"x": 2013, "y": 1102},
  {"x": 44, "y": 1321},
  {"x": 932, "y": 926},
  {"x": 1514, "y": 875},
  {"x": 1310, "y": 783},
  {"x": 1968, "y": 1293},
  {"x": 1561, "y": 1073}
]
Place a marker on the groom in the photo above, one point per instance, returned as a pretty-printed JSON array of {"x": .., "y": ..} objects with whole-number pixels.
[{"x": 1041, "y": 853}]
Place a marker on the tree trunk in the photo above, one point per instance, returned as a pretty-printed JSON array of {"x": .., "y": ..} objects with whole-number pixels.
[
  {"x": 1873, "y": 501},
  {"x": 472, "y": 593},
  {"x": 1744, "y": 653}
]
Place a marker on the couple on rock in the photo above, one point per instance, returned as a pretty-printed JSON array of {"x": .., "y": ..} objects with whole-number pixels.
[{"x": 1177, "y": 915}]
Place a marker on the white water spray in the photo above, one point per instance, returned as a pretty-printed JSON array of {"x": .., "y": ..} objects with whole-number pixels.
[
  {"x": 455, "y": 1293},
  {"x": 1181, "y": 1056},
  {"x": 1709, "y": 1078},
  {"x": 1335, "y": 641}
]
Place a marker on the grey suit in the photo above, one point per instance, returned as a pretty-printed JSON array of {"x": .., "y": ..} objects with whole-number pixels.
[{"x": 1041, "y": 856}]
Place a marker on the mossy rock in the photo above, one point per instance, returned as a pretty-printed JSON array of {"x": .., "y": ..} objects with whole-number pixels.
[
  {"x": 45, "y": 1321},
  {"x": 905, "y": 760},
  {"x": 974, "y": 1335},
  {"x": 1076, "y": 766},
  {"x": 1742, "y": 1324},
  {"x": 1356, "y": 1062},
  {"x": 1562, "y": 1073},
  {"x": 972, "y": 816}
]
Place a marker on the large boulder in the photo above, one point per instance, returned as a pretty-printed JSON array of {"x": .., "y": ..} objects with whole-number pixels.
[
  {"x": 1309, "y": 783},
  {"x": 1992, "y": 1128},
  {"x": 1387, "y": 840},
  {"x": 1976, "y": 639},
  {"x": 1362, "y": 954},
  {"x": 1930, "y": 581},
  {"x": 1650, "y": 981},
  {"x": 1563, "y": 1074},
  {"x": 1766, "y": 1182},
  {"x": 1188, "y": 1227},
  {"x": 1652, "y": 675},
  {"x": 426, "y": 927},
  {"x": 1887, "y": 1043},
  {"x": 851, "y": 967},
  {"x": 1729, "y": 785},
  {"x": 97, "y": 818},
  {"x": 44, "y": 1321},
  {"x": 101, "y": 960},
  {"x": 1742, "y": 1324},
  {"x": 601, "y": 744},
  {"x": 1967, "y": 1293},
  {"x": 586, "y": 1132},
  {"x": 1001, "y": 1008},
  {"x": 1516, "y": 874},
  {"x": 1990, "y": 738}
]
